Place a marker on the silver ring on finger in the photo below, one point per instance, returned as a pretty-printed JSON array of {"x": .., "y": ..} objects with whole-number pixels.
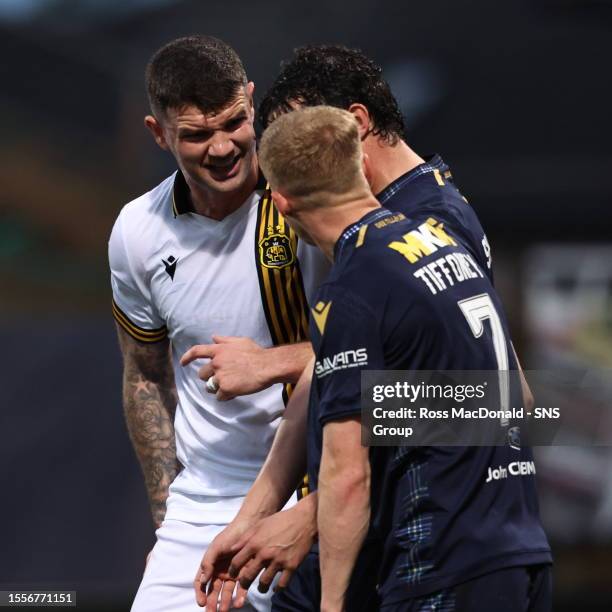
[{"x": 212, "y": 386}]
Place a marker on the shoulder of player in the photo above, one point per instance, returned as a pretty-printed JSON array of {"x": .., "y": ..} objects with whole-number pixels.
[
  {"x": 387, "y": 249},
  {"x": 374, "y": 238},
  {"x": 142, "y": 218},
  {"x": 341, "y": 301},
  {"x": 451, "y": 208},
  {"x": 150, "y": 204},
  {"x": 365, "y": 270}
]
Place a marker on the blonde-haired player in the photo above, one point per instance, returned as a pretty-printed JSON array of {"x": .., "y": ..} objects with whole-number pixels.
[{"x": 400, "y": 528}]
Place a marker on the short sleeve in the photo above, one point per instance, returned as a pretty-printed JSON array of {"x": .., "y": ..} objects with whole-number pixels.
[
  {"x": 350, "y": 343},
  {"x": 132, "y": 304}
]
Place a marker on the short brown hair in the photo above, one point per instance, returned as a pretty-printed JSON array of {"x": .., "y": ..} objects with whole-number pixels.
[
  {"x": 195, "y": 70},
  {"x": 310, "y": 151}
]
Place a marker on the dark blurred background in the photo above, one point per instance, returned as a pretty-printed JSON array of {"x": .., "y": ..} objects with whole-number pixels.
[{"x": 515, "y": 94}]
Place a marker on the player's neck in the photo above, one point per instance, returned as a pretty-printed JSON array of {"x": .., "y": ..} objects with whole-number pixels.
[
  {"x": 330, "y": 223},
  {"x": 218, "y": 205},
  {"x": 388, "y": 162}
]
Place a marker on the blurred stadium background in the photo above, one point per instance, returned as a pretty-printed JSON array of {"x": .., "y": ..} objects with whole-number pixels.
[{"x": 513, "y": 94}]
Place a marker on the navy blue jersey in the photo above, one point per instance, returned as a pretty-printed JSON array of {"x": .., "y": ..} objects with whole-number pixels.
[
  {"x": 406, "y": 294},
  {"x": 429, "y": 190}
]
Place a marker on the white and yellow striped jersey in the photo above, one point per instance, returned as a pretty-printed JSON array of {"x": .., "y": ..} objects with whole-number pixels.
[{"x": 181, "y": 275}]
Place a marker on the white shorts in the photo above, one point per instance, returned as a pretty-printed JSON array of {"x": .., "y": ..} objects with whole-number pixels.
[{"x": 167, "y": 584}]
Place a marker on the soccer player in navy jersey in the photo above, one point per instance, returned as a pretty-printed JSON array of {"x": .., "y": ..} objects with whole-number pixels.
[
  {"x": 403, "y": 181},
  {"x": 441, "y": 535}
]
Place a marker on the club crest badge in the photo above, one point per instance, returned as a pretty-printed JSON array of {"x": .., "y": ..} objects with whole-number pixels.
[{"x": 276, "y": 251}]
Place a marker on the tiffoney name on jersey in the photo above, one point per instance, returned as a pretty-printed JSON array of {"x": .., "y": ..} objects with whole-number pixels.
[
  {"x": 341, "y": 361},
  {"x": 444, "y": 272}
]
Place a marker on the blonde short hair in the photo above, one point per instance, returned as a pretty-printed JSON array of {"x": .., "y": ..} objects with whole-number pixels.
[{"x": 311, "y": 152}]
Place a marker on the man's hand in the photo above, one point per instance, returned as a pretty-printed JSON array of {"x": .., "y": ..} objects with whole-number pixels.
[
  {"x": 276, "y": 544},
  {"x": 214, "y": 569},
  {"x": 240, "y": 366}
]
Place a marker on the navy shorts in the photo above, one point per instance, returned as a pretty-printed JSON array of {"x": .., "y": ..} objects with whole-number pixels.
[{"x": 515, "y": 589}]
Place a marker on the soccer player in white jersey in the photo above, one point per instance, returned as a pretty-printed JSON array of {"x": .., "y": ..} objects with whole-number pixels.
[{"x": 204, "y": 259}]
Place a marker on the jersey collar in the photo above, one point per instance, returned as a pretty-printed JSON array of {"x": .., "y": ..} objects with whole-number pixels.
[
  {"x": 352, "y": 230},
  {"x": 433, "y": 163},
  {"x": 181, "y": 202}
]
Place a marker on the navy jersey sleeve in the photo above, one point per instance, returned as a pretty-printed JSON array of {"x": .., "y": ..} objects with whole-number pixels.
[{"x": 350, "y": 342}]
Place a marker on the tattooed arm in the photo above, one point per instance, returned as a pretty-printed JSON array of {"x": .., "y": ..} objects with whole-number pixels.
[{"x": 149, "y": 402}]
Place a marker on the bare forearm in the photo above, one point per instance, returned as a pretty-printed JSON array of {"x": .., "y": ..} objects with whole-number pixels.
[
  {"x": 149, "y": 415},
  {"x": 286, "y": 462},
  {"x": 275, "y": 483},
  {"x": 286, "y": 363},
  {"x": 343, "y": 517},
  {"x": 149, "y": 402},
  {"x": 343, "y": 512}
]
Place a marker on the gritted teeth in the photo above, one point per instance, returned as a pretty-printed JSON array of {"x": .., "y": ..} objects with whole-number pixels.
[{"x": 226, "y": 166}]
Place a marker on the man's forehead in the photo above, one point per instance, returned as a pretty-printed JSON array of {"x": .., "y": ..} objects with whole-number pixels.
[{"x": 192, "y": 114}]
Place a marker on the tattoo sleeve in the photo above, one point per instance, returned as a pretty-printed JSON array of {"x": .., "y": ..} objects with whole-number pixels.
[{"x": 149, "y": 403}]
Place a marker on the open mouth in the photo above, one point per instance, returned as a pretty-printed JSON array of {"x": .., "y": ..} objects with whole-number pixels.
[{"x": 225, "y": 171}]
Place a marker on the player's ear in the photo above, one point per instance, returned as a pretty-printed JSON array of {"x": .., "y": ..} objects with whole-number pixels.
[
  {"x": 367, "y": 168},
  {"x": 282, "y": 203},
  {"x": 153, "y": 125},
  {"x": 250, "y": 90},
  {"x": 362, "y": 116}
]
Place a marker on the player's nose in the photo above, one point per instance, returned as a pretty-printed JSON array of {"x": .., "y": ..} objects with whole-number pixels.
[{"x": 221, "y": 146}]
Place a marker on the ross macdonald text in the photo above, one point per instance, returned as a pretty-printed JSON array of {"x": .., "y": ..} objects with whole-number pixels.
[{"x": 455, "y": 413}]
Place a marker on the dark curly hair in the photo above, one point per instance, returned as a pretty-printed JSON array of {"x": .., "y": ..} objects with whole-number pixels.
[
  {"x": 199, "y": 70},
  {"x": 336, "y": 76}
]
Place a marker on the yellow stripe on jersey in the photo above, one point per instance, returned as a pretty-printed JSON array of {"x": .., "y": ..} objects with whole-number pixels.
[
  {"x": 282, "y": 289},
  {"x": 138, "y": 333},
  {"x": 263, "y": 220},
  {"x": 303, "y": 490},
  {"x": 280, "y": 281},
  {"x": 361, "y": 236},
  {"x": 438, "y": 177}
]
